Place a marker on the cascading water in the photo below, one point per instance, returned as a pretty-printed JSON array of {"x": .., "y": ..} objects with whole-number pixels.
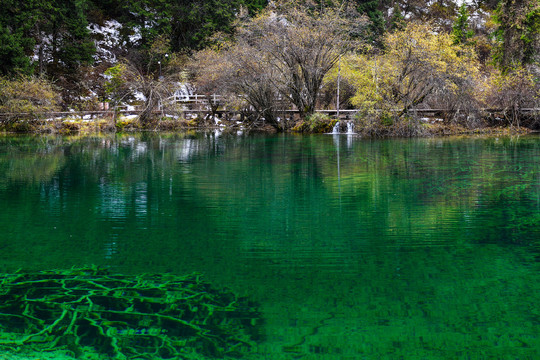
[
  {"x": 183, "y": 92},
  {"x": 335, "y": 129},
  {"x": 350, "y": 128}
]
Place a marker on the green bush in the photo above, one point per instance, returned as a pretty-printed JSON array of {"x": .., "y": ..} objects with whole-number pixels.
[
  {"x": 126, "y": 124},
  {"x": 315, "y": 123},
  {"x": 386, "y": 119},
  {"x": 319, "y": 123}
]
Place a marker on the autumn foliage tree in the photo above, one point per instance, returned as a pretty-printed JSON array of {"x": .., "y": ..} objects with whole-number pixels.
[
  {"x": 243, "y": 77},
  {"x": 418, "y": 65},
  {"x": 282, "y": 53},
  {"x": 27, "y": 97},
  {"x": 302, "y": 48},
  {"x": 511, "y": 92}
]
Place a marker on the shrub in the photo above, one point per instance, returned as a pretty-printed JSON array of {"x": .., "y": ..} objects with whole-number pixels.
[
  {"x": 27, "y": 98},
  {"x": 316, "y": 123}
]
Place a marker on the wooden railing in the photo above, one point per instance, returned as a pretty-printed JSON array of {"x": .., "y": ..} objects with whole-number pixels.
[{"x": 199, "y": 104}]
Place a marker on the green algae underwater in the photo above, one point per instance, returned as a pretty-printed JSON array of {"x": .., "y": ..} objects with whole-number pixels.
[
  {"x": 139, "y": 317},
  {"x": 332, "y": 247}
]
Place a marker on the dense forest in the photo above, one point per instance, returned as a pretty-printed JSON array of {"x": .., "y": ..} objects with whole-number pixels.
[{"x": 389, "y": 57}]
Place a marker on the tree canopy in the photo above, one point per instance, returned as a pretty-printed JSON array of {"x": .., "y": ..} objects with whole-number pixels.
[{"x": 72, "y": 43}]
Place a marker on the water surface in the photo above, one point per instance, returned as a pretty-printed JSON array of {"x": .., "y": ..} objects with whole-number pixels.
[{"x": 354, "y": 248}]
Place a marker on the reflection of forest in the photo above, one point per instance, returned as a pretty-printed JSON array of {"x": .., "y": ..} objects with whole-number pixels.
[
  {"x": 482, "y": 186},
  {"x": 398, "y": 234},
  {"x": 277, "y": 195},
  {"x": 29, "y": 161}
]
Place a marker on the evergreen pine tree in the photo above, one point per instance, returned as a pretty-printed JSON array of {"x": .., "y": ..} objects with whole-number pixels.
[
  {"x": 460, "y": 30},
  {"x": 16, "y": 41},
  {"x": 397, "y": 21},
  {"x": 376, "y": 28}
]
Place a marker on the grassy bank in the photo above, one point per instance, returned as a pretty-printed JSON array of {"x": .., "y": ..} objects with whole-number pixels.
[
  {"x": 374, "y": 128},
  {"x": 101, "y": 125},
  {"x": 313, "y": 125}
]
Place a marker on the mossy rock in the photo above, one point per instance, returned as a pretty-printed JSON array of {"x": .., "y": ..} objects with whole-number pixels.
[
  {"x": 127, "y": 124},
  {"x": 315, "y": 124}
]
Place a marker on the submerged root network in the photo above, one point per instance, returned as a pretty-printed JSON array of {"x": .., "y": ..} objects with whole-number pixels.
[{"x": 143, "y": 317}]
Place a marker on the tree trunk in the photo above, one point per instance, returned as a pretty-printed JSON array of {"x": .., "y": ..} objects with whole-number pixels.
[{"x": 146, "y": 117}]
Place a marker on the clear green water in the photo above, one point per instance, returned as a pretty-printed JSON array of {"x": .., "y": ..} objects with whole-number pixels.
[{"x": 354, "y": 249}]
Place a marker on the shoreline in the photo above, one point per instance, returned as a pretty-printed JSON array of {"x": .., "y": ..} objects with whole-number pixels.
[{"x": 129, "y": 125}]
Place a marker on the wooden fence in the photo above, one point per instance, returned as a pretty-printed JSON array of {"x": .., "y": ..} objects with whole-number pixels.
[{"x": 189, "y": 105}]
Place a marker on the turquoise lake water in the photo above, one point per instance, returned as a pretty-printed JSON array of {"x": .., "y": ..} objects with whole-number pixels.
[{"x": 351, "y": 248}]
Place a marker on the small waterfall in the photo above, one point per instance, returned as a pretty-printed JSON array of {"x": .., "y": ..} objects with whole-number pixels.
[
  {"x": 350, "y": 127},
  {"x": 335, "y": 129},
  {"x": 183, "y": 92}
]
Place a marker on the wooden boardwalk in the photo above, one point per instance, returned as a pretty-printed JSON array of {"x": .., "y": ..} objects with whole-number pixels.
[
  {"x": 189, "y": 113},
  {"x": 187, "y": 106}
]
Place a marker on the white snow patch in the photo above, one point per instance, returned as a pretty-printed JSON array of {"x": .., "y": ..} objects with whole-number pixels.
[
  {"x": 134, "y": 38},
  {"x": 139, "y": 96},
  {"x": 108, "y": 40}
]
